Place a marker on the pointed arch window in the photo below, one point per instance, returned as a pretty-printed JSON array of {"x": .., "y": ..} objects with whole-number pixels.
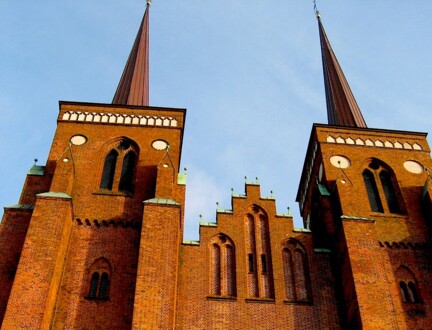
[
  {"x": 103, "y": 286},
  {"x": 389, "y": 192},
  {"x": 412, "y": 291},
  {"x": 386, "y": 190},
  {"x": 372, "y": 191},
  {"x": 222, "y": 267},
  {"x": 126, "y": 178},
  {"x": 296, "y": 274},
  {"x": 94, "y": 285},
  {"x": 120, "y": 178},
  {"x": 409, "y": 292},
  {"x": 258, "y": 253},
  {"x": 109, "y": 170}
]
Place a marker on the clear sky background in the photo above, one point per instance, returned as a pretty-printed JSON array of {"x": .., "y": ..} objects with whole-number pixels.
[{"x": 249, "y": 73}]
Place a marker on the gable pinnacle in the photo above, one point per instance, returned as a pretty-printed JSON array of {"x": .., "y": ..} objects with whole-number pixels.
[
  {"x": 342, "y": 108},
  {"x": 133, "y": 88}
]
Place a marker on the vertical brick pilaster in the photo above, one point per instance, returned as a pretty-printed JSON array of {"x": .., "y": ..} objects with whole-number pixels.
[
  {"x": 156, "y": 284},
  {"x": 40, "y": 268}
]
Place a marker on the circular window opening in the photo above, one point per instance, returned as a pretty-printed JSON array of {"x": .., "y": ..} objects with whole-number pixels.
[
  {"x": 340, "y": 161},
  {"x": 413, "y": 167},
  {"x": 159, "y": 144},
  {"x": 78, "y": 140}
]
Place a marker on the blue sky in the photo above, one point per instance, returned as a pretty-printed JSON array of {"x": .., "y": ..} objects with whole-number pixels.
[{"x": 249, "y": 73}]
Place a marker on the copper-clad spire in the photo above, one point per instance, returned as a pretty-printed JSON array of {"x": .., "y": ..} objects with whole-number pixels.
[
  {"x": 133, "y": 88},
  {"x": 342, "y": 108}
]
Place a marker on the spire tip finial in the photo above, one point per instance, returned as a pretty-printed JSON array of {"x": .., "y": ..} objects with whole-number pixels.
[
  {"x": 148, "y": 2},
  {"x": 317, "y": 13}
]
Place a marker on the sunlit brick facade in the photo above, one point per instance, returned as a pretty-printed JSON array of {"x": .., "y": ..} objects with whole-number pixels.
[{"x": 96, "y": 239}]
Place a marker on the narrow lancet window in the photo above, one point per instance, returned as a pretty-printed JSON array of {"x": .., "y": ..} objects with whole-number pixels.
[
  {"x": 389, "y": 192},
  {"x": 216, "y": 270},
  {"x": 407, "y": 284},
  {"x": 404, "y": 291},
  {"x": 382, "y": 189},
  {"x": 372, "y": 191},
  {"x": 413, "y": 292},
  {"x": 297, "y": 284},
  {"x": 103, "y": 287},
  {"x": 258, "y": 252},
  {"x": 126, "y": 178},
  {"x": 94, "y": 285},
  {"x": 109, "y": 170},
  {"x": 100, "y": 280},
  {"x": 222, "y": 267}
]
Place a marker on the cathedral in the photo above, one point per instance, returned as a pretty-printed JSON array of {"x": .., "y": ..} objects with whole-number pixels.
[{"x": 96, "y": 238}]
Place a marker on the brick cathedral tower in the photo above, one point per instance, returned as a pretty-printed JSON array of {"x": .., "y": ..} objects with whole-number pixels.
[
  {"x": 96, "y": 240},
  {"x": 88, "y": 231},
  {"x": 364, "y": 193}
]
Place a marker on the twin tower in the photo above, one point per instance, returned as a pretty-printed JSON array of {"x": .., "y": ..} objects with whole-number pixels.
[{"x": 96, "y": 239}]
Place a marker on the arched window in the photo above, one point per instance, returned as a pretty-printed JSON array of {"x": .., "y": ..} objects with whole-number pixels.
[
  {"x": 216, "y": 270},
  {"x": 372, "y": 191},
  {"x": 296, "y": 274},
  {"x": 114, "y": 178},
  {"x": 258, "y": 253},
  {"x": 389, "y": 192},
  {"x": 412, "y": 291},
  {"x": 407, "y": 285},
  {"x": 94, "y": 285},
  {"x": 100, "y": 279},
  {"x": 222, "y": 266},
  {"x": 288, "y": 268},
  {"x": 387, "y": 189},
  {"x": 109, "y": 170},
  {"x": 404, "y": 291},
  {"x": 126, "y": 178}
]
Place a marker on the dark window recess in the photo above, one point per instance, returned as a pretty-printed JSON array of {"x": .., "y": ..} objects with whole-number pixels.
[
  {"x": 103, "y": 287},
  {"x": 404, "y": 291},
  {"x": 109, "y": 170},
  {"x": 409, "y": 292},
  {"x": 251, "y": 262},
  {"x": 389, "y": 192},
  {"x": 264, "y": 263},
  {"x": 413, "y": 292},
  {"x": 126, "y": 178},
  {"x": 94, "y": 285},
  {"x": 372, "y": 191}
]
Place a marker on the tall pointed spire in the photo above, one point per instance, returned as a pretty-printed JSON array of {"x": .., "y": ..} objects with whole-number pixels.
[
  {"x": 342, "y": 108},
  {"x": 133, "y": 88}
]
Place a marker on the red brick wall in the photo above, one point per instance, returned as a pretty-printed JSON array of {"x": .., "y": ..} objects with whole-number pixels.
[
  {"x": 116, "y": 243},
  {"x": 198, "y": 309},
  {"x": 368, "y": 269},
  {"x": 13, "y": 229},
  {"x": 31, "y": 302}
]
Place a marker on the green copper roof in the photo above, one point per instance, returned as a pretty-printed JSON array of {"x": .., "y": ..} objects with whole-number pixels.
[
  {"x": 21, "y": 206},
  {"x": 181, "y": 178},
  {"x": 37, "y": 170},
  {"x": 165, "y": 201},
  {"x": 54, "y": 194},
  {"x": 323, "y": 190}
]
